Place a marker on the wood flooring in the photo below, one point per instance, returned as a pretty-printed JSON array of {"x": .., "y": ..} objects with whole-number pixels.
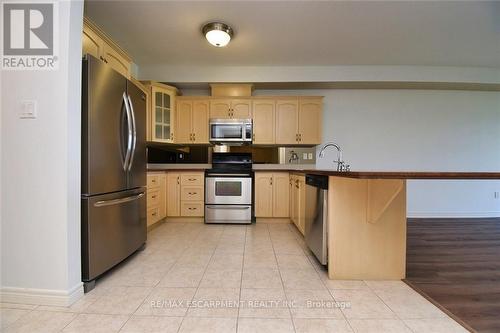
[{"x": 456, "y": 263}]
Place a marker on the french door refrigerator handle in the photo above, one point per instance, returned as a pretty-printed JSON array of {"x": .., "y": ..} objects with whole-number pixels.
[
  {"x": 130, "y": 133},
  {"x": 103, "y": 203},
  {"x": 134, "y": 132}
]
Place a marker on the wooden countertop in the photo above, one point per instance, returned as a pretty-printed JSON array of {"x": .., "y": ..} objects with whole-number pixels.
[
  {"x": 405, "y": 174},
  {"x": 350, "y": 174}
]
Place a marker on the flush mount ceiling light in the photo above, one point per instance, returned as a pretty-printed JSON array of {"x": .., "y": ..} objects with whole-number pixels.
[{"x": 218, "y": 34}]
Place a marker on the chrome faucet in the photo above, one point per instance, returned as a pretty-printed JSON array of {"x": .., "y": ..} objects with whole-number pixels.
[
  {"x": 341, "y": 165},
  {"x": 293, "y": 157}
]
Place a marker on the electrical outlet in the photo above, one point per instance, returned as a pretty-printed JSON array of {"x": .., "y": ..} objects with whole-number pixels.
[
  {"x": 28, "y": 110},
  {"x": 310, "y": 156},
  {"x": 304, "y": 156},
  {"x": 496, "y": 194}
]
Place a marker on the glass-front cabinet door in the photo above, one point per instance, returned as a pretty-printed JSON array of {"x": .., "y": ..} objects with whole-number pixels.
[{"x": 163, "y": 114}]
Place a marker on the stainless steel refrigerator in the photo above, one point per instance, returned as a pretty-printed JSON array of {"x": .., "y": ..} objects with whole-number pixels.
[{"x": 113, "y": 169}]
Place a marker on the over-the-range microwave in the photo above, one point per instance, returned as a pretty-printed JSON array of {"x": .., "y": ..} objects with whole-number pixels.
[{"x": 236, "y": 131}]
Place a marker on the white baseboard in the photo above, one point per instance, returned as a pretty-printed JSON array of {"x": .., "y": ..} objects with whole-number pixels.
[
  {"x": 452, "y": 214},
  {"x": 41, "y": 296}
]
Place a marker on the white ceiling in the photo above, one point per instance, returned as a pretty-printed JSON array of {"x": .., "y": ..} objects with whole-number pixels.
[{"x": 306, "y": 33}]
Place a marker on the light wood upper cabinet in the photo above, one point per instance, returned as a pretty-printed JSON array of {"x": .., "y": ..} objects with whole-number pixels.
[
  {"x": 184, "y": 118},
  {"x": 231, "y": 108},
  {"x": 192, "y": 121},
  {"x": 96, "y": 43},
  {"x": 161, "y": 112},
  {"x": 241, "y": 108},
  {"x": 286, "y": 121},
  {"x": 299, "y": 121},
  {"x": 310, "y": 120},
  {"x": 264, "y": 121},
  {"x": 220, "y": 108},
  {"x": 91, "y": 43},
  {"x": 200, "y": 121},
  {"x": 272, "y": 194},
  {"x": 116, "y": 60},
  {"x": 281, "y": 194},
  {"x": 263, "y": 194},
  {"x": 173, "y": 194}
]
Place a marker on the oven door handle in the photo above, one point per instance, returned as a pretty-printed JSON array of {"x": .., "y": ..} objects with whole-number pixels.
[
  {"x": 227, "y": 175},
  {"x": 229, "y": 207}
]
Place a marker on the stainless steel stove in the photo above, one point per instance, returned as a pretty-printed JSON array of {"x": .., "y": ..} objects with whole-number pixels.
[{"x": 229, "y": 188}]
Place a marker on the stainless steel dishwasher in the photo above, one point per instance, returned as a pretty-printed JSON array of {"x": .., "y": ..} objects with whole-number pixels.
[{"x": 316, "y": 216}]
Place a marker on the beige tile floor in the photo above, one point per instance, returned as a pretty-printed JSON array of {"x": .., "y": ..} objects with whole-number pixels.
[{"x": 230, "y": 278}]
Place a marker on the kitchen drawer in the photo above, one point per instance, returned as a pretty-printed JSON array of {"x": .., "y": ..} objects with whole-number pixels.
[
  {"x": 153, "y": 215},
  {"x": 192, "y": 179},
  {"x": 192, "y": 208},
  {"x": 192, "y": 193},
  {"x": 153, "y": 180},
  {"x": 153, "y": 198}
]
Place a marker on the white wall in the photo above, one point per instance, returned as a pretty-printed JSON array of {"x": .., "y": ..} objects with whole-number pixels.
[
  {"x": 417, "y": 130},
  {"x": 40, "y": 176},
  {"x": 193, "y": 73}
]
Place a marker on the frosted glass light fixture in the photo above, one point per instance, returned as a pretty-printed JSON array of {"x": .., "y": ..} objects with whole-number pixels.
[{"x": 218, "y": 34}]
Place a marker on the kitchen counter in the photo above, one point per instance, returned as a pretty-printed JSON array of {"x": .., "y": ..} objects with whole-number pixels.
[
  {"x": 405, "y": 174},
  {"x": 178, "y": 166},
  {"x": 282, "y": 167},
  {"x": 310, "y": 168}
]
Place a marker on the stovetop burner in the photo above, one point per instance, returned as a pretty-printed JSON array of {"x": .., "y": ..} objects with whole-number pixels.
[{"x": 231, "y": 163}]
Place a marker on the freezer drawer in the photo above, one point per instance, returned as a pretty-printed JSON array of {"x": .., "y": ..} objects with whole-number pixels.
[
  {"x": 228, "y": 214},
  {"x": 113, "y": 227}
]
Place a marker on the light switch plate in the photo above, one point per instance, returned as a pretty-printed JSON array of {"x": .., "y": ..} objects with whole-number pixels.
[
  {"x": 310, "y": 156},
  {"x": 28, "y": 110},
  {"x": 304, "y": 156}
]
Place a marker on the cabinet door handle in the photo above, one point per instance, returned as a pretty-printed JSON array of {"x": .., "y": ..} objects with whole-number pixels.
[
  {"x": 153, "y": 197},
  {"x": 178, "y": 180},
  {"x": 300, "y": 137},
  {"x": 253, "y": 136},
  {"x": 154, "y": 214},
  {"x": 271, "y": 181}
]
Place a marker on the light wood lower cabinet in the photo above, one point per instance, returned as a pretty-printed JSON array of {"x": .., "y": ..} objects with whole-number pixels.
[
  {"x": 156, "y": 200},
  {"x": 297, "y": 186},
  {"x": 186, "y": 192},
  {"x": 173, "y": 194},
  {"x": 271, "y": 194}
]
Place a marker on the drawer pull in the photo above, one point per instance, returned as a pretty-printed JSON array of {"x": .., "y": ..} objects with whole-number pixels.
[
  {"x": 191, "y": 208},
  {"x": 192, "y": 179},
  {"x": 192, "y": 193},
  {"x": 153, "y": 197},
  {"x": 154, "y": 214}
]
